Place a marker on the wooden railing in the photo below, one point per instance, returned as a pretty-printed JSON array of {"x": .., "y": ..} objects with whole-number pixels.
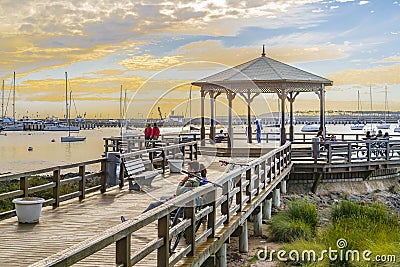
[
  {"x": 348, "y": 152},
  {"x": 251, "y": 185},
  {"x": 133, "y": 143},
  {"x": 156, "y": 156},
  {"x": 55, "y": 173},
  {"x": 300, "y": 138}
]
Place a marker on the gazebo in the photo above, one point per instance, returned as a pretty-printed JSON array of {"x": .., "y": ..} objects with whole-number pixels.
[{"x": 255, "y": 77}]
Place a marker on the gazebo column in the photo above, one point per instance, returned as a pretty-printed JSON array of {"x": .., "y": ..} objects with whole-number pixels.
[
  {"x": 248, "y": 101},
  {"x": 249, "y": 134},
  {"x": 212, "y": 115},
  {"x": 213, "y": 97},
  {"x": 283, "y": 131},
  {"x": 322, "y": 110},
  {"x": 230, "y": 95},
  {"x": 291, "y": 99},
  {"x": 202, "y": 128}
]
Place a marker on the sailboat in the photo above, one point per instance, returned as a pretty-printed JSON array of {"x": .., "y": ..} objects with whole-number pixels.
[
  {"x": 383, "y": 124},
  {"x": 11, "y": 125},
  {"x": 69, "y": 138},
  {"x": 397, "y": 129},
  {"x": 371, "y": 129},
  {"x": 66, "y": 126},
  {"x": 358, "y": 125}
]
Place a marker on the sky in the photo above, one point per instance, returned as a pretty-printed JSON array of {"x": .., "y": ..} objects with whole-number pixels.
[{"x": 154, "y": 49}]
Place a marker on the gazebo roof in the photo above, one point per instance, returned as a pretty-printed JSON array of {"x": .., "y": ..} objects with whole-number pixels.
[{"x": 265, "y": 73}]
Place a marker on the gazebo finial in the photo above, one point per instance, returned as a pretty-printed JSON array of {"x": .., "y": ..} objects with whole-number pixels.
[{"x": 263, "y": 53}]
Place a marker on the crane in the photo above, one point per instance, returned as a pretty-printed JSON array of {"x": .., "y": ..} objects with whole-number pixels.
[{"x": 159, "y": 112}]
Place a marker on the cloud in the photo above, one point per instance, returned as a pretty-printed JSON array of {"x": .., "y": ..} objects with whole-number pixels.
[
  {"x": 213, "y": 51},
  {"x": 379, "y": 75},
  {"x": 361, "y": 3},
  {"x": 150, "y": 62}
]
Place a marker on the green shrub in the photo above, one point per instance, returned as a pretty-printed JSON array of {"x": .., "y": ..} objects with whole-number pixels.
[{"x": 300, "y": 220}]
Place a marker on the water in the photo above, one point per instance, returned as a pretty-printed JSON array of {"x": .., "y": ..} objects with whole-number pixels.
[{"x": 15, "y": 157}]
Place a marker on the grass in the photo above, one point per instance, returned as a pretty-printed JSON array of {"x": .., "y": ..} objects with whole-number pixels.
[
  {"x": 300, "y": 220},
  {"x": 363, "y": 227}
]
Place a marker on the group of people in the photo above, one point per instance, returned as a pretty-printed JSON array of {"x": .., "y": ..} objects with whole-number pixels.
[
  {"x": 379, "y": 135},
  {"x": 151, "y": 133},
  {"x": 320, "y": 135}
]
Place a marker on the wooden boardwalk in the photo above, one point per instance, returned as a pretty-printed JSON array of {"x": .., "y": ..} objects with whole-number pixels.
[{"x": 74, "y": 221}]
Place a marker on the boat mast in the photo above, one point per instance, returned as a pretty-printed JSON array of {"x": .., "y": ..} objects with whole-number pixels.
[
  {"x": 124, "y": 113},
  {"x": 66, "y": 99},
  {"x": 14, "y": 99},
  {"x": 370, "y": 100},
  {"x": 190, "y": 109},
  {"x": 2, "y": 101},
  {"x": 385, "y": 102},
  {"x": 69, "y": 112},
  {"x": 120, "y": 111}
]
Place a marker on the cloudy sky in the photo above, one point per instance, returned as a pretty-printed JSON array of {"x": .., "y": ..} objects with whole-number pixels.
[{"x": 155, "y": 48}]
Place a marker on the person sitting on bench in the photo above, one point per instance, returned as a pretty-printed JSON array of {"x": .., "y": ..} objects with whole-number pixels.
[{"x": 220, "y": 136}]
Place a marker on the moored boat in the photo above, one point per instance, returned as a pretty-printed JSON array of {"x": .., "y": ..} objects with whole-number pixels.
[{"x": 310, "y": 128}]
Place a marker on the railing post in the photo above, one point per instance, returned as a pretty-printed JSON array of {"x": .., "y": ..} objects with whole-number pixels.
[
  {"x": 164, "y": 160},
  {"x": 195, "y": 149},
  {"x": 24, "y": 185},
  {"x": 225, "y": 204},
  {"x": 239, "y": 196},
  {"x": 191, "y": 151},
  {"x": 349, "y": 152},
  {"x": 212, "y": 216},
  {"x": 368, "y": 144},
  {"x": 329, "y": 156},
  {"x": 56, "y": 189},
  {"x": 387, "y": 149},
  {"x": 248, "y": 187},
  {"x": 269, "y": 175},
  {"x": 121, "y": 177},
  {"x": 257, "y": 180},
  {"x": 190, "y": 232},
  {"x": 263, "y": 175},
  {"x": 123, "y": 251},
  {"x": 82, "y": 182},
  {"x": 103, "y": 176},
  {"x": 163, "y": 232}
]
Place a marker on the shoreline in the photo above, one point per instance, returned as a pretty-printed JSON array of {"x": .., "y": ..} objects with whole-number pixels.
[{"x": 382, "y": 191}]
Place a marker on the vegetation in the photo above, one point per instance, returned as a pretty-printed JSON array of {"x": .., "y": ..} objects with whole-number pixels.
[
  {"x": 9, "y": 186},
  {"x": 300, "y": 220},
  {"x": 354, "y": 227}
]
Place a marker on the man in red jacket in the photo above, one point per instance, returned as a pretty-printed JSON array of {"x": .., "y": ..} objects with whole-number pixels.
[
  {"x": 155, "y": 132},
  {"x": 148, "y": 132}
]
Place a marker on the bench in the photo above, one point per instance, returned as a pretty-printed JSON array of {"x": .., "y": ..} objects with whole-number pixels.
[
  {"x": 221, "y": 139},
  {"x": 136, "y": 171}
]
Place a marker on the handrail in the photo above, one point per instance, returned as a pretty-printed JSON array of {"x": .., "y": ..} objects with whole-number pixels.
[
  {"x": 264, "y": 173},
  {"x": 55, "y": 183},
  {"x": 351, "y": 151}
]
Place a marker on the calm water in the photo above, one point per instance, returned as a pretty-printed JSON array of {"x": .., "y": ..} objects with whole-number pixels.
[{"x": 15, "y": 157}]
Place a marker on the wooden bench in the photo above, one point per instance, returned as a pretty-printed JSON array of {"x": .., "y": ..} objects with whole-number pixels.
[
  {"x": 221, "y": 139},
  {"x": 136, "y": 171}
]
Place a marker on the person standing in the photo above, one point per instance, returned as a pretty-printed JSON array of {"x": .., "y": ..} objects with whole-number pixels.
[
  {"x": 258, "y": 131},
  {"x": 156, "y": 132},
  {"x": 147, "y": 134}
]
